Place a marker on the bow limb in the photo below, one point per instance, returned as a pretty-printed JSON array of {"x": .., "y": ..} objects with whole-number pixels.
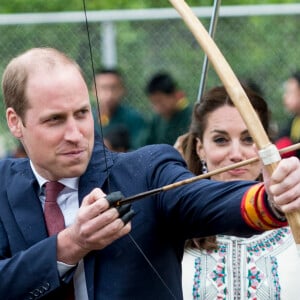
[{"x": 239, "y": 98}]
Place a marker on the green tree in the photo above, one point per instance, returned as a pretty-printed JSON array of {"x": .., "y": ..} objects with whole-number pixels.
[{"x": 20, "y": 6}]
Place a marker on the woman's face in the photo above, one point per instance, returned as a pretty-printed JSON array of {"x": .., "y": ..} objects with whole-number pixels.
[{"x": 226, "y": 141}]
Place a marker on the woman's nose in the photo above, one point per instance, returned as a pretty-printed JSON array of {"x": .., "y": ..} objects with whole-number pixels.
[{"x": 236, "y": 152}]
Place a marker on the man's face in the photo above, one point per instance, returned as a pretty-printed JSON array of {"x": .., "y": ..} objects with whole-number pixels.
[
  {"x": 110, "y": 90},
  {"x": 291, "y": 97},
  {"x": 58, "y": 130},
  {"x": 164, "y": 104}
]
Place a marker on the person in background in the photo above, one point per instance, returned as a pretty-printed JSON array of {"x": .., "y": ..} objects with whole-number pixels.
[
  {"x": 3, "y": 150},
  {"x": 126, "y": 252},
  {"x": 172, "y": 111},
  {"x": 18, "y": 151},
  {"x": 117, "y": 139},
  {"x": 290, "y": 134},
  {"x": 227, "y": 267},
  {"x": 110, "y": 91}
]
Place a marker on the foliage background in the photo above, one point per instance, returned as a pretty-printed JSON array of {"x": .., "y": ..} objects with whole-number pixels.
[
  {"x": 17, "y": 6},
  {"x": 263, "y": 48},
  {"x": 14, "y": 6}
]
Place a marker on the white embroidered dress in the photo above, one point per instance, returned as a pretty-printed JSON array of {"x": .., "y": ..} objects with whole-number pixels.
[{"x": 263, "y": 267}]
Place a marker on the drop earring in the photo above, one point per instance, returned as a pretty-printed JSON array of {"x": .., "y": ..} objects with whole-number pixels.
[{"x": 204, "y": 166}]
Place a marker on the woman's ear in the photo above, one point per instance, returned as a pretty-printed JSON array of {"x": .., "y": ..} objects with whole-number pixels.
[
  {"x": 199, "y": 149},
  {"x": 14, "y": 123}
]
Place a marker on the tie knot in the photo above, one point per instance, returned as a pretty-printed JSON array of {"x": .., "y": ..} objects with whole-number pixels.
[{"x": 52, "y": 189}]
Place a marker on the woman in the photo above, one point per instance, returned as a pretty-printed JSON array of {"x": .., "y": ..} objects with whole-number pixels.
[{"x": 226, "y": 267}]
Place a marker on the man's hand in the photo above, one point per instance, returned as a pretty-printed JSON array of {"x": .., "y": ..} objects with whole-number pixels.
[{"x": 95, "y": 227}]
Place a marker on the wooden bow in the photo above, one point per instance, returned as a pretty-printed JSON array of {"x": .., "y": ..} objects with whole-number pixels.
[{"x": 236, "y": 93}]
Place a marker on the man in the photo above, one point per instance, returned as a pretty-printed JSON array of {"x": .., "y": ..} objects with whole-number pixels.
[
  {"x": 48, "y": 110},
  {"x": 110, "y": 91},
  {"x": 290, "y": 133},
  {"x": 172, "y": 112}
]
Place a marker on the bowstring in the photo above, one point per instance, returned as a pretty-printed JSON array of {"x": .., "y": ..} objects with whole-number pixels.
[
  {"x": 95, "y": 88},
  {"x": 105, "y": 157}
]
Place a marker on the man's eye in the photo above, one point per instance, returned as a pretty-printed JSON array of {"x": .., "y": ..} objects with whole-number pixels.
[
  {"x": 83, "y": 112},
  {"x": 53, "y": 119}
]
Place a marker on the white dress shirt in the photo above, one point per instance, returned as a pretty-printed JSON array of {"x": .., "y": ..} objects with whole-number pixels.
[{"x": 69, "y": 205}]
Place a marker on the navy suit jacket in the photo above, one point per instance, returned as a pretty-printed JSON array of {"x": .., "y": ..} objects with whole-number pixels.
[{"x": 28, "y": 266}]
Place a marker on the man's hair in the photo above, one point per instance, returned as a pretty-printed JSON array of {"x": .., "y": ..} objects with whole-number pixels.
[
  {"x": 161, "y": 82},
  {"x": 296, "y": 75},
  {"x": 111, "y": 71},
  {"x": 19, "y": 69},
  {"x": 114, "y": 71}
]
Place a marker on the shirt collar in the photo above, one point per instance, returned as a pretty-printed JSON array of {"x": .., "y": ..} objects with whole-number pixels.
[{"x": 71, "y": 183}]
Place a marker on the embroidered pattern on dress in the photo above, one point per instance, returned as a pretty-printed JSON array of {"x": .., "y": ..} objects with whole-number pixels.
[
  {"x": 218, "y": 275},
  {"x": 276, "y": 279},
  {"x": 253, "y": 259},
  {"x": 197, "y": 273}
]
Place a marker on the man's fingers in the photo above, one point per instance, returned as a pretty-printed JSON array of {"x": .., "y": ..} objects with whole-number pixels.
[
  {"x": 123, "y": 209},
  {"x": 98, "y": 223},
  {"x": 93, "y": 196},
  {"x": 114, "y": 197},
  {"x": 111, "y": 237},
  {"x": 107, "y": 234},
  {"x": 93, "y": 204},
  {"x": 128, "y": 216}
]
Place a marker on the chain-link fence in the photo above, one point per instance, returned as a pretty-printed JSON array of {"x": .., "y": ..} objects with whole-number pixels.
[{"x": 259, "y": 42}]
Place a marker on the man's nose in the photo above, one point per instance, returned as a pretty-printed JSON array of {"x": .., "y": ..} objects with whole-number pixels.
[{"x": 73, "y": 132}]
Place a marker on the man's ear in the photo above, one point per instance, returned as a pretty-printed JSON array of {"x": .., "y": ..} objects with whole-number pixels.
[{"x": 14, "y": 123}]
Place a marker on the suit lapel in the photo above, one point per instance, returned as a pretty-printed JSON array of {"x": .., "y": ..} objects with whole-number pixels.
[{"x": 26, "y": 207}]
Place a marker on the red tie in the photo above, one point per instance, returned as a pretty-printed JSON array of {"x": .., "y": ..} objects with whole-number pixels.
[{"x": 55, "y": 220}]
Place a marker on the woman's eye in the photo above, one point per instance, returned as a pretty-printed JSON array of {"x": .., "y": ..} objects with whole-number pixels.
[
  {"x": 248, "y": 140},
  {"x": 220, "y": 140}
]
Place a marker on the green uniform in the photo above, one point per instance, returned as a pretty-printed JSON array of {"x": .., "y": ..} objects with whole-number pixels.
[
  {"x": 166, "y": 131},
  {"x": 127, "y": 117}
]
